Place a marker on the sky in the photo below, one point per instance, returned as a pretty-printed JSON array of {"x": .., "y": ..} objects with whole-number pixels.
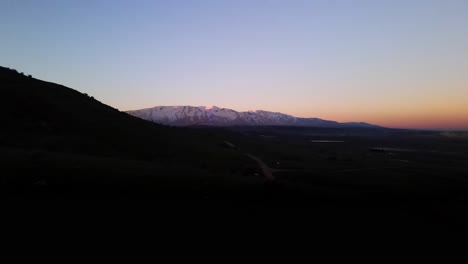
[{"x": 395, "y": 63}]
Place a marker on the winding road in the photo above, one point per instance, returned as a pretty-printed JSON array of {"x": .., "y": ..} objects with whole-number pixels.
[{"x": 266, "y": 170}]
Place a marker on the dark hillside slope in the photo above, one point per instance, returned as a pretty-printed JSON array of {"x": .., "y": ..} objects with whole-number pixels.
[
  {"x": 45, "y": 115},
  {"x": 53, "y": 126}
]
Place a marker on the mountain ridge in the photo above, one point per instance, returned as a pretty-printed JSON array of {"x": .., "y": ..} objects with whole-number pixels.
[{"x": 184, "y": 115}]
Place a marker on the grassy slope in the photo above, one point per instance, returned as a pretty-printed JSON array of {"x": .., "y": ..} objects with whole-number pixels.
[{"x": 58, "y": 134}]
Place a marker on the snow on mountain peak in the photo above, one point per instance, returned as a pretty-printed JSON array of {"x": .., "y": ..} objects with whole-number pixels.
[
  {"x": 210, "y": 107},
  {"x": 214, "y": 116}
]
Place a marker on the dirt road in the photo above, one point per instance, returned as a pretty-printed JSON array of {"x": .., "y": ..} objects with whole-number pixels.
[{"x": 266, "y": 170}]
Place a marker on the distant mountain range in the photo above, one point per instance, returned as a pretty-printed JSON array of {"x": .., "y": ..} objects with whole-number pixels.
[{"x": 216, "y": 116}]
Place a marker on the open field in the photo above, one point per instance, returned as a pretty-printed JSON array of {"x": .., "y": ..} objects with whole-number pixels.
[{"x": 325, "y": 199}]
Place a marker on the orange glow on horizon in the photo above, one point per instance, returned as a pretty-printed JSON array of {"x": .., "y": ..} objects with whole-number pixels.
[
  {"x": 399, "y": 121},
  {"x": 450, "y": 117}
]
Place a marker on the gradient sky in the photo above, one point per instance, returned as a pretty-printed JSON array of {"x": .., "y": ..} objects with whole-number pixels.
[{"x": 393, "y": 63}]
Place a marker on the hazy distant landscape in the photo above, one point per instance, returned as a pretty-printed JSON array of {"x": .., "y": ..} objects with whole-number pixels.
[
  {"x": 216, "y": 116},
  {"x": 58, "y": 144}
]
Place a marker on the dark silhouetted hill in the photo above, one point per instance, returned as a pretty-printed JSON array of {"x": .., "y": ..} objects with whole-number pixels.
[{"x": 53, "y": 124}]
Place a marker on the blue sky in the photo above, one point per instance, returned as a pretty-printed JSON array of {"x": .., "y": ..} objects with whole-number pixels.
[{"x": 395, "y": 63}]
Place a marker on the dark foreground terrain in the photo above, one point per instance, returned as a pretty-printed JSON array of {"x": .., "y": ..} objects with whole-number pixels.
[{"x": 81, "y": 180}]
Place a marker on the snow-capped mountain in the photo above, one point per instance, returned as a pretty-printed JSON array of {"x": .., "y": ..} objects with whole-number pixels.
[{"x": 215, "y": 116}]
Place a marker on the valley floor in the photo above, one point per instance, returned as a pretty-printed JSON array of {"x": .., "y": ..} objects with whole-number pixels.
[{"x": 335, "y": 200}]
